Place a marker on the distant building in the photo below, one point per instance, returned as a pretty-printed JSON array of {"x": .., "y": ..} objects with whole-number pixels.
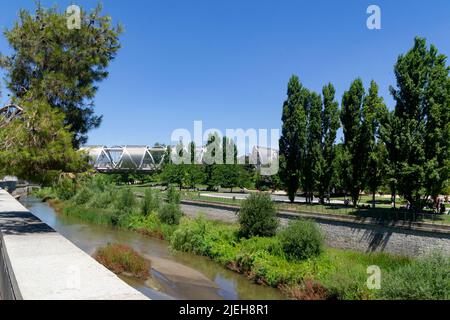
[{"x": 263, "y": 157}]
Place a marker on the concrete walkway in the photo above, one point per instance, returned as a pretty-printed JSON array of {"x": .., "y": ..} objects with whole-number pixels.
[{"x": 37, "y": 263}]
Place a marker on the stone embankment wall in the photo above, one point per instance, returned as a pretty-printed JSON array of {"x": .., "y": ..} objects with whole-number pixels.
[{"x": 345, "y": 232}]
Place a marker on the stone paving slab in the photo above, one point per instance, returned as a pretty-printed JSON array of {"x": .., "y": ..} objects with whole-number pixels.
[{"x": 47, "y": 266}]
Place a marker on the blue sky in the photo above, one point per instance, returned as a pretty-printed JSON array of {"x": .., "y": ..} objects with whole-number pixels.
[{"x": 227, "y": 62}]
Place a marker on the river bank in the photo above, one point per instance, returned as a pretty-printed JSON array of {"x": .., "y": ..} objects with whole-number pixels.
[
  {"x": 343, "y": 272},
  {"x": 332, "y": 274},
  {"x": 174, "y": 275}
]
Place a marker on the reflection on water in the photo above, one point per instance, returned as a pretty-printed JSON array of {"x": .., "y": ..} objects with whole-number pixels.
[{"x": 225, "y": 284}]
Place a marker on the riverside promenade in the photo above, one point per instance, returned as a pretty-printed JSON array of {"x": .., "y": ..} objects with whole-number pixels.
[{"x": 37, "y": 263}]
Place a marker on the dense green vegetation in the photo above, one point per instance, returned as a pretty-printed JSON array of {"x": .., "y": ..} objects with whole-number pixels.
[
  {"x": 293, "y": 260},
  {"x": 66, "y": 77},
  {"x": 52, "y": 73},
  {"x": 151, "y": 202},
  {"x": 301, "y": 240},
  {"x": 122, "y": 259},
  {"x": 258, "y": 216},
  {"x": 424, "y": 279},
  {"x": 37, "y": 146}
]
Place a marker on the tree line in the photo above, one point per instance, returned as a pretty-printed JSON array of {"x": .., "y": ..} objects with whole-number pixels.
[
  {"x": 222, "y": 170},
  {"x": 406, "y": 149}
]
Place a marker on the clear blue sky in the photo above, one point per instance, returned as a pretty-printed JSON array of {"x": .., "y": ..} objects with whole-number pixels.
[{"x": 227, "y": 62}]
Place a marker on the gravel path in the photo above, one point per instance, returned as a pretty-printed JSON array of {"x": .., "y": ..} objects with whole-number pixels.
[
  {"x": 275, "y": 197},
  {"x": 216, "y": 214}
]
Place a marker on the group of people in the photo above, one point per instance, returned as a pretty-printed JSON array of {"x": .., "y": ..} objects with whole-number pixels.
[{"x": 439, "y": 205}]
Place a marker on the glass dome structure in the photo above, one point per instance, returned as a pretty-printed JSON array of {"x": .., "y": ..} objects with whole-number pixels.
[{"x": 125, "y": 158}]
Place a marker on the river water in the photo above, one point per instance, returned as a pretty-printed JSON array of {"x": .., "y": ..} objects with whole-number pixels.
[{"x": 174, "y": 275}]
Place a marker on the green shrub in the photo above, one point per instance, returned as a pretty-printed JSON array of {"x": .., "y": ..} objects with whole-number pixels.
[
  {"x": 170, "y": 213},
  {"x": 206, "y": 238},
  {"x": 173, "y": 196},
  {"x": 151, "y": 202},
  {"x": 125, "y": 200},
  {"x": 190, "y": 237},
  {"x": 302, "y": 239},
  {"x": 348, "y": 284},
  {"x": 149, "y": 225},
  {"x": 101, "y": 200},
  {"x": 258, "y": 216},
  {"x": 123, "y": 259},
  {"x": 83, "y": 196},
  {"x": 65, "y": 189},
  {"x": 45, "y": 193},
  {"x": 100, "y": 182},
  {"x": 269, "y": 245},
  {"x": 97, "y": 216},
  {"x": 427, "y": 278}
]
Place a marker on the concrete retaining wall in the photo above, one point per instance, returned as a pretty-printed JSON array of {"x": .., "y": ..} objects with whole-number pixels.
[
  {"x": 8, "y": 284},
  {"x": 379, "y": 238},
  {"x": 37, "y": 263}
]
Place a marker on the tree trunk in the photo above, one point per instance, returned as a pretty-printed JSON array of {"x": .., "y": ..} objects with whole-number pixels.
[
  {"x": 355, "y": 197},
  {"x": 373, "y": 200},
  {"x": 395, "y": 199}
]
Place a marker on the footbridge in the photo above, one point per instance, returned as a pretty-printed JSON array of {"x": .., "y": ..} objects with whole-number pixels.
[
  {"x": 125, "y": 158},
  {"x": 144, "y": 159}
]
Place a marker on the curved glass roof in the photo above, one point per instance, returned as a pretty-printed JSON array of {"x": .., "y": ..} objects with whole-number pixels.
[{"x": 141, "y": 158}]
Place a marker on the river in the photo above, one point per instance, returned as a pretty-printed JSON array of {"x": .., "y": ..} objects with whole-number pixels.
[{"x": 174, "y": 275}]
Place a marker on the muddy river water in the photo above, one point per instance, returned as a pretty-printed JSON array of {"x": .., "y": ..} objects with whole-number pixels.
[{"x": 174, "y": 275}]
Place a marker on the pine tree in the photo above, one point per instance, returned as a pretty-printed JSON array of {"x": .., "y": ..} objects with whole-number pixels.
[
  {"x": 37, "y": 147},
  {"x": 61, "y": 66}
]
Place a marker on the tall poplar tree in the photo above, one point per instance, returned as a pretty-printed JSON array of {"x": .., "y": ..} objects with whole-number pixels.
[
  {"x": 330, "y": 125},
  {"x": 293, "y": 138},
  {"x": 312, "y": 167},
  {"x": 355, "y": 141},
  {"x": 212, "y": 157},
  {"x": 374, "y": 110}
]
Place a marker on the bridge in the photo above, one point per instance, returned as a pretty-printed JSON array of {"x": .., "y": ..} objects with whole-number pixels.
[
  {"x": 125, "y": 158},
  {"x": 146, "y": 159}
]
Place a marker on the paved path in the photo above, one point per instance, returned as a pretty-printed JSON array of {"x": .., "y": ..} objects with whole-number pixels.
[
  {"x": 40, "y": 264},
  {"x": 217, "y": 214},
  {"x": 275, "y": 197}
]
